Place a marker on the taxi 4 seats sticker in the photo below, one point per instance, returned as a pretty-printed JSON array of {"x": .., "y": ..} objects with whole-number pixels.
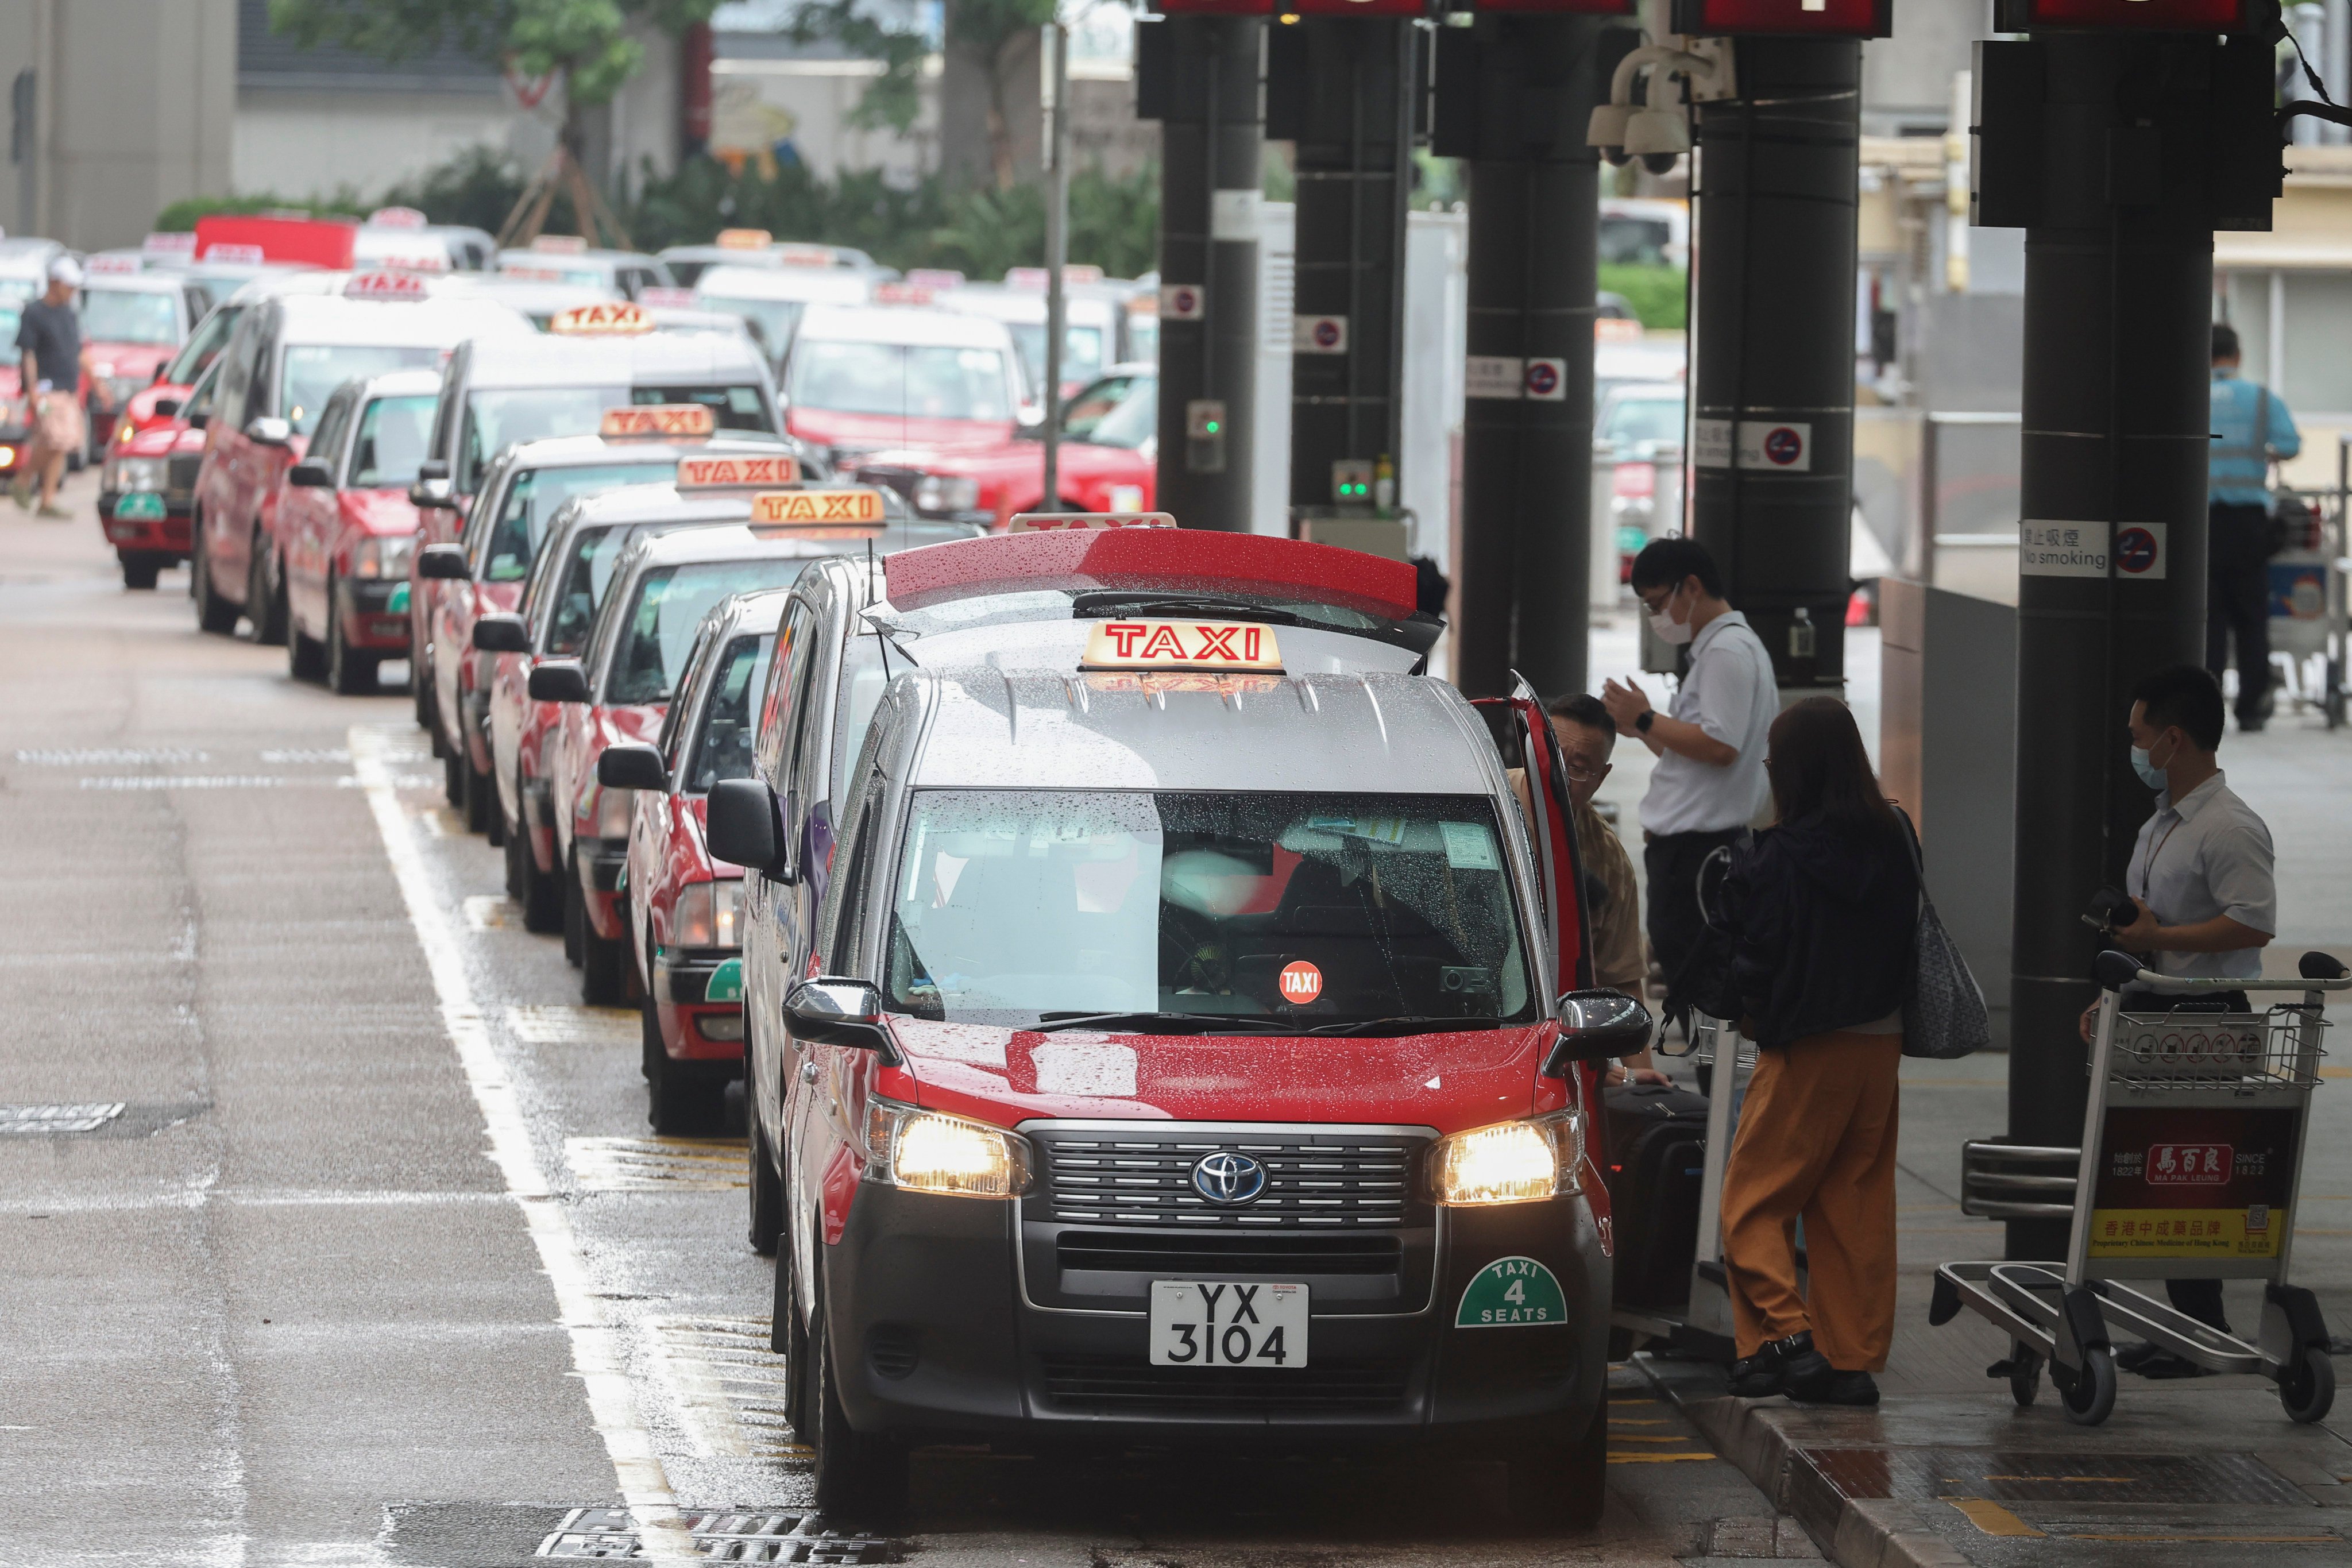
[
  {"x": 2193, "y": 1183},
  {"x": 1511, "y": 1293},
  {"x": 725, "y": 982}
]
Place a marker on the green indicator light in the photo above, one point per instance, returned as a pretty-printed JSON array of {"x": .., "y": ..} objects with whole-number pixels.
[{"x": 1213, "y": 426}]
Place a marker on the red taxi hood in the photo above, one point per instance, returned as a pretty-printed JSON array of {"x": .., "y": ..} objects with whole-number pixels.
[
  {"x": 828, "y": 428},
  {"x": 625, "y": 721},
  {"x": 380, "y": 511},
  {"x": 692, "y": 839},
  {"x": 1007, "y": 1076},
  {"x": 142, "y": 407},
  {"x": 162, "y": 440},
  {"x": 131, "y": 362}
]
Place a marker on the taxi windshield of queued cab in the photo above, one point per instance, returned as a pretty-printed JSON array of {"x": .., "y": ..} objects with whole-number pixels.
[{"x": 1185, "y": 985}]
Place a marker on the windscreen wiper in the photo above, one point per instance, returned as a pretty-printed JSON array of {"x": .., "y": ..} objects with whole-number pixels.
[
  {"x": 1152, "y": 1022},
  {"x": 1111, "y": 602},
  {"x": 1407, "y": 1024}
]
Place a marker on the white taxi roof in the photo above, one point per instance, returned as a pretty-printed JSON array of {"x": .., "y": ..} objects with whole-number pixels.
[
  {"x": 133, "y": 283},
  {"x": 332, "y": 318},
  {"x": 1396, "y": 733},
  {"x": 1023, "y": 307},
  {"x": 594, "y": 451},
  {"x": 827, "y": 284},
  {"x": 404, "y": 384},
  {"x": 657, "y": 356},
  {"x": 904, "y": 325}
]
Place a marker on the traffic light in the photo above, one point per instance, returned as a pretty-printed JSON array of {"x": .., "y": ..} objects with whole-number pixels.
[{"x": 1205, "y": 435}]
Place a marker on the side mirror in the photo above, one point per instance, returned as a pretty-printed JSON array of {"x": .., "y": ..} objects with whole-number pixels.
[
  {"x": 199, "y": 418},
  {"x": 432, "y": 488},
  {"x": 739, "y": 820},
  {"x": 310, "y": 477},
  {"x": 831, "y": 1011},
  {"x": 445, "y": 563},
  {"x": 1595, "y": 1026},
  {"x": 558, "y": 680},
  {"x": 632, "y": 764},
  {"x": 496, "y": 634},
  {"x": 166, "y": 407},
  {"x": 269, "y": 430}
]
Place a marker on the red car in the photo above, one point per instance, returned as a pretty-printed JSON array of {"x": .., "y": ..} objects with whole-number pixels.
[
  {"x": 863, "y": 378},
  {"x": 146, "y": 489},
  {"x": 683, "y": 905},
  {"x": 133, "y": 324},
  {"x": 346, "y": 529},
  {"x": 1108, "y": 461}
]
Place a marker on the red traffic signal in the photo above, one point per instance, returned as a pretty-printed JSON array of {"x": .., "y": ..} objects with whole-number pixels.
[
  {"x": 1831, "y": 18},
  {"x": 2123, "y": 15}
]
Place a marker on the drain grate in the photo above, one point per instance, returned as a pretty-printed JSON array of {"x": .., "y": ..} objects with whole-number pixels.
[
  {"x": 38, "y": 1120},
  {"x": 720, "y": 1536},
  {"x": 657, "y": 1164},
  {"x": 574, "y": 1026},
  {"x": 2003, "y": 1475}
]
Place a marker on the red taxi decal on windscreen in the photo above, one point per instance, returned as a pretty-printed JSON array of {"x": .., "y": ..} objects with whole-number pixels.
[
  {"x": 619, "y": 319},
  {"x": 657, "y": 421},
  {"x": 1085, "y": 522},
  {"x": 835, "y": 508},
  {"x": 1301, "y": 983},
  {"x": 1180, "y": 644},
  {"x": 737, "y": 473}
]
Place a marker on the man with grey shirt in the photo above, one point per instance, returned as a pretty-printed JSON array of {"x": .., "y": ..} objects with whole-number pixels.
[
  {"x": 49, "y": 342},
  {"x": 2204, "y": 901}
]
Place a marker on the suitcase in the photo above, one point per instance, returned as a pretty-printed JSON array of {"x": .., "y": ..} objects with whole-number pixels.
[{"x": 1657, "y": 1168}]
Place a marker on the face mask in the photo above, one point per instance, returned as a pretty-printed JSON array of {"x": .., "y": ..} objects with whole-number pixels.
[
  {"x": 2144, "y": 764},
  {"x": 1665, "y": 629}
]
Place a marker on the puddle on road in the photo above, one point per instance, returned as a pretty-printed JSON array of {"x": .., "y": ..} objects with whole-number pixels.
[
  {"x": 730, "y": 1387},
  {"x": 573, "y": 1026},
  {"x": 657, "y": 1164}
]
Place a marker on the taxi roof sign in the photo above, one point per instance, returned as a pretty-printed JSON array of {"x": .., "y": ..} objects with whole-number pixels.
[
  {"x": 385, "y": 285},
  {"x": 619, "y": 319},
  {"x": 656, "y": 421},
  {"x": 559, "y": 245},
  {"x": 901, "y": 294},
  {"x": 396, "y": 218},
  {"x": 806, "y": 255},
  {"x": 1082, "y": 522},
  {"x": 654, "y": 296},
  {"x": 827, "y": 508},
  {"x": 230, "y": 254},
  {"x": 115, "y": 262},
  {"x": 1181, "y": 646},
  {"x": 743, "y": 238},
  {"x": 176, "y": 243},
  {"x": 738, "y": 473}
]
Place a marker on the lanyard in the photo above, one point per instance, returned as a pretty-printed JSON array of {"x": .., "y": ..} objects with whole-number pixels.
[{"x": 2148, "y": 872}]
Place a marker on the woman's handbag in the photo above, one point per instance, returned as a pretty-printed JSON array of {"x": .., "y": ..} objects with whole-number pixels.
[{"x": 1946, "y": 1016}]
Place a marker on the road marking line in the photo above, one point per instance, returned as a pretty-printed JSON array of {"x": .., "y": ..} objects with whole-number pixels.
[
  {"x": 596, "y": 1345},
  {"x": 1991, "y": 1518}
]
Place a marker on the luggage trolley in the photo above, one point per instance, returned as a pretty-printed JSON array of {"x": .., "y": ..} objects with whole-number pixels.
[{"x": 2191, "y": 1158}]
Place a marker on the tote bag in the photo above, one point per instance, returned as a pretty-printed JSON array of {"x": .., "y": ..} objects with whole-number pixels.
[{"x": 1945, "y": 1016}]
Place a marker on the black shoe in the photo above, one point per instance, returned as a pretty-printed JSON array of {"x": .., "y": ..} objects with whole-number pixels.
[
  {"x": 2136, "y": 1355},
  {"x": 1782, "y": 1366},
  {"x": 1856, "y": 1388},
  {"x": 2165, "y": 1367}
]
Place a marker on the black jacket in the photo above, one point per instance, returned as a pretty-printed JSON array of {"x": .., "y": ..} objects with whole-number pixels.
[{"x": 1823, "y": 919}]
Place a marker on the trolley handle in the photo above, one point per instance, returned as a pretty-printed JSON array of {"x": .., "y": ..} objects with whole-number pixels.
[{"x": 2319, "y": 971}]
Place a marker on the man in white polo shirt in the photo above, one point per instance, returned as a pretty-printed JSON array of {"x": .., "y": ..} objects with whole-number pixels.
[
  {"x": 2205, "y": 900},
  {"x": 1709, "y": 782}
]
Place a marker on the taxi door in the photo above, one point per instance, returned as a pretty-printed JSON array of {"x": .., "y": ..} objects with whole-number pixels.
[
  {"x": 450, "y": 662},
  {"x": 308, "y": 521},
  {"x": 220, "y": 491},
  {"x": 776, "y": 914}
]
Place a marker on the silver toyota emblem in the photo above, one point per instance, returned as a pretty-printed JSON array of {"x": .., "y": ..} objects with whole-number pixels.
[{"x": 1225, "y": 1177}]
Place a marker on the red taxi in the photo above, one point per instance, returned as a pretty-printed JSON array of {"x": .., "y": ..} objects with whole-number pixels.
[
  {"x": 346, "y": 529},
  {"x": 483, "y": 572},
  {"x": 146, "y": 489},
  {"x": 860, "y": 379},
  {"x": 1108, "y": 461},
  {"x": 683, "y": 905},
  {"x": 133, "y": 323},
  {"x": 287, "y": 357}
]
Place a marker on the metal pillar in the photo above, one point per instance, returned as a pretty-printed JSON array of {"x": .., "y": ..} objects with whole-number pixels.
[
  {"x": 1772, "y": 362},
  {"x": 1344, "y": 90},
  {"x": 1514, "y": 94},
  {"x": 2119, "y": 155},
  {"x": 1206, "y": 92}
]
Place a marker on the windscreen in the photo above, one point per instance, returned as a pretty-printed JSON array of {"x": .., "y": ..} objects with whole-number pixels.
[
  {"x": 1133, "y": 421},
  {"x": 738, "y": 407},
  {"x": 122, "y": 316},
  {"x": 581, "y": 588},
  {"x": 774, "y": 320},
  {"x": 496, "y": 420},
  {"x": 1637, "y": 419},
  {"x": 533, "y": 499},
  {"x": 1305, "y": 910},
  {"x": 1143, "y": 336},
  {"x": 1634, "y": 241},
  {"x": 656, "y": 630},
  {"x": 865, "y": 675},
  {"x": 204, "y": 346},
  {"x": 920, "y": 382},
  {"x": 722, "y": 748},
  {"x": 395, "y": 433},
  {"x": 1082, "y": 351},
  {"x": 313, "y": 370}
]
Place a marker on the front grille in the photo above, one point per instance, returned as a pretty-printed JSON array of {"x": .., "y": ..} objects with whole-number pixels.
[
  {"x": 179, "y": 476},
  {"x": 1339, "y": 1179},
  {"x": 1172, "y": 1255},
  {"x": 1113, "y": 1384}
]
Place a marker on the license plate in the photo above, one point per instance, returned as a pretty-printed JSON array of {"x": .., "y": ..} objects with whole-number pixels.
[
  {"x": 1227, "y": 1323},
  {"x": 139, "y": 505}
]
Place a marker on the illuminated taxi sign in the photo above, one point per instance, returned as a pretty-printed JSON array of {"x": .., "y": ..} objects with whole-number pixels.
[
  {"x": 171, "y": 244},
  {"x": 559, "y": 245},
  {"x": 395, "y": 218},
  {"x": 1180, "y": 644},
  {"x": 901, "y": 294},
  {"x": 619, "y": 319},
  {"x": 841, "y": 508},
  {"x": 656, "y": 421},
  {"x": 231, "y": 255},
  {"x": 737, "y": 473},
  {"x": 1085, "y": 522},
  {"x": 385, "y": 284},
  {"x": 101, "y": 265},
  {"x": 804, "y": 254}
]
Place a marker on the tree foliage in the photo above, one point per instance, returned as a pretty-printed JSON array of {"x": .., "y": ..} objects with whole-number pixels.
[{"x": 584, "y": 42}]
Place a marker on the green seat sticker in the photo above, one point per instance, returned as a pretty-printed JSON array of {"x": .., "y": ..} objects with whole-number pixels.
[
  {"x": 139, "y": 505},
  {"x": 727, "y": 986},
  {"x": 397, "y": 605},
  {"x": 1511, "y": 1293}
]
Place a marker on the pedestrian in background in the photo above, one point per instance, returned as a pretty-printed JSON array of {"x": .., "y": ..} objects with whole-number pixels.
[
  {"x": 1613, "y": 898},
  {"x": 52, "y": 359},
  {"x": 1709, "y": 782},
  {"x": 2252, "y": 429},
  {"x": 1823, "y": 909}
]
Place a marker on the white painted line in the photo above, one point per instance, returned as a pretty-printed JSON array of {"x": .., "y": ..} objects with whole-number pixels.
[{"x": 595, "y": 1342}]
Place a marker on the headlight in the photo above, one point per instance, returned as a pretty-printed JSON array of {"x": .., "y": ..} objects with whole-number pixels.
[
  {"x": 133, "y": 474},
  {"x": 614, "y": 809},
  {"x": 925, "y": 1151},
  {"x": 705, "y": 915},
  {"x": 1511, "y": 1163},
  {"x": 946, "y": 492},
  {"x": 384, "y": 555}
]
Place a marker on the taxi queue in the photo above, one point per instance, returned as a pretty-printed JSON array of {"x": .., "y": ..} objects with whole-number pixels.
[{"x": 1159, "y": 1020}]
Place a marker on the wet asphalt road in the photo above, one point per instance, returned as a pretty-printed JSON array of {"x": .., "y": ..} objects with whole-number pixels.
[{"x": 378, "y": 1263}]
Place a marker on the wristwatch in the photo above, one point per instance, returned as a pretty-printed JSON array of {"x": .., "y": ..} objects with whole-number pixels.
[{"x": 1642, "y": 723}]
